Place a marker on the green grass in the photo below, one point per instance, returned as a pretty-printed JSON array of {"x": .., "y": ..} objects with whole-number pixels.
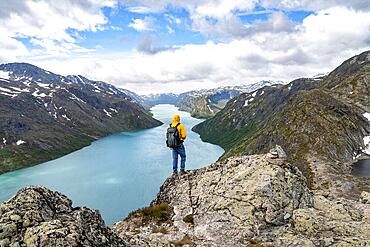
[
  {"x": 186, "y": 240},
  {"x": 159, "y": 213},
  {"x": 160, "y": 229},
  {"x": 189, "y": 219}
]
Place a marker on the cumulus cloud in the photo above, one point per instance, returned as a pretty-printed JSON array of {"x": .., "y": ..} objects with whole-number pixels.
[
  {"x": 139, "y": 9},
  {"x": 47, "y": 24},
  {"x": 141, "y": 25},
  {"x": 316, "y": 5},
  {"x": 276, "y": 48},
  {"x": 319, "y": 44},
  {"x": 148, "y": 44}
]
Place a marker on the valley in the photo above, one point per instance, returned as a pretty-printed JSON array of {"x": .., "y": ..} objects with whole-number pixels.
[
  {"x": 116, "y": 174},
  {"x": 294, "y": 173},
  {"x": 205, "y": 103}
]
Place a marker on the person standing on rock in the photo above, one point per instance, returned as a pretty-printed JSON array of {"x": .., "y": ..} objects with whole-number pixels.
[{"x": 176, "y": 135}]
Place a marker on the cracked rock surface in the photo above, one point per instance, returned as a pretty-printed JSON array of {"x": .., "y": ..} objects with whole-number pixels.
[
  {"x": 257, "y": 200},
  {"x": 36, "y": 216}
]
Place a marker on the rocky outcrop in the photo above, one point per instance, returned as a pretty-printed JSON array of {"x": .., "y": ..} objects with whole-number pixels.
[
  {"x": 258, "y": 200},
  {"x": 36, "y": 216}
]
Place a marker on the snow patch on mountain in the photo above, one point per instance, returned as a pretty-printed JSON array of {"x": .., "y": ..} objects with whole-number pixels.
[
  {"x": 247, "y": 101},
  {"x": 20, "y": 142},
  {"x": 366, "y": 140},
  {"x": 367, "y": 115},
  {"x": 107, "y": 113},
  {"x": 43, "y": 85},
  {"x": 65, "y": 116},
  {"x": 209, "y": 108},
  {"x": 4, "y": 74}
]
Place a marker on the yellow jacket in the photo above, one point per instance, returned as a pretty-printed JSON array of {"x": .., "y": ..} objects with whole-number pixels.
[{"x": 180, "y": 128}]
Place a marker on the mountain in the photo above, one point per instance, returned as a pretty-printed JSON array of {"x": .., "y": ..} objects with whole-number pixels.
[
  {"x": 203, "y": 103},
  {"x": 156, "y": 99},
  {"x": 320, "y": 122},
  {"x": 45, "y": 115},
  {"x": 135, "y": 97},
  {"x": 206, "y": 103}
]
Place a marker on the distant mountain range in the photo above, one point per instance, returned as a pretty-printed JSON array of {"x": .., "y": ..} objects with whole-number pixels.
[
  {"x": 204, "y": 103},
  {"x": 322, "y": 123},
  {"x": 46, "y": 115},
  {"x": 163, "y": 98}
]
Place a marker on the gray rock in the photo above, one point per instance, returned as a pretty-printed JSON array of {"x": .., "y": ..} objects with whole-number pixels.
[
  {"x": 365, "y": 197},
  {"x": 251, "y": 200},
  {"x": 36, "y": 216},
  {"x": 280, "y": 151}
]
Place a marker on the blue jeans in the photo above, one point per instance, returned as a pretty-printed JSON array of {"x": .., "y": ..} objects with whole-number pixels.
[{"x": 180, "y": 150}]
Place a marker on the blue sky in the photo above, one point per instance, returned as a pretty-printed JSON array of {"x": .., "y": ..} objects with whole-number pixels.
[
  {"x": 118, "y": 36},
  {"x": 174, "y": 45}
]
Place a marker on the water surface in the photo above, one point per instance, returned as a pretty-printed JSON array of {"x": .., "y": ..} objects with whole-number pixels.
[
  {"x": 361, "y": 168},
  {"x": 116, "y": 174}
]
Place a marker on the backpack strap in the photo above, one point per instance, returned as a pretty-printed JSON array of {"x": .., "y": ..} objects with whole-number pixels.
[{"x": 177, "y": 125}]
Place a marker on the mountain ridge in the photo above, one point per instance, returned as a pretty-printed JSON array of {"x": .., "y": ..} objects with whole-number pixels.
[
  {"x": 45, "y": 115},
  {"x": 319, "y": 122},
  {"x": 204, "y": 103}
]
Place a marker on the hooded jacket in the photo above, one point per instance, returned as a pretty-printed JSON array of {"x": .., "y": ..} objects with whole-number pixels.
[{"x": 180, "y": 128}]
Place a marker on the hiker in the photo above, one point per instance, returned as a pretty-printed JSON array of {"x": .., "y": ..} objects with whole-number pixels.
[{"x": 176, "y": 135}]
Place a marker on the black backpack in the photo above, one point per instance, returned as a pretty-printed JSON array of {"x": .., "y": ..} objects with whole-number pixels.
[{"x": 173, "y": 137}]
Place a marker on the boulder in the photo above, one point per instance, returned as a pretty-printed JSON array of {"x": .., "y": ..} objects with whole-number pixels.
[{"x": 37, "y": 216}]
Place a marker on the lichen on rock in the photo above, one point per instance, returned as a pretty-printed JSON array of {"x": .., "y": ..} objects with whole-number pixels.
[
  {"x": 36, "y": 216},
  {"x": 252, "y": 199}
]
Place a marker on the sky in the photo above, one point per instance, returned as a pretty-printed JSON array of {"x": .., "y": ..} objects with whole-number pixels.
[{"x": 154, "y": 46}]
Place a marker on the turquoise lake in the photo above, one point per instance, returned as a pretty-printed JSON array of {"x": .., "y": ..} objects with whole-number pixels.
[{"x": 119, "y": 173}]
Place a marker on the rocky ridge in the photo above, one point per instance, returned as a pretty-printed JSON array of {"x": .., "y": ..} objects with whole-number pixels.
[{"x": 258, "y": 200}]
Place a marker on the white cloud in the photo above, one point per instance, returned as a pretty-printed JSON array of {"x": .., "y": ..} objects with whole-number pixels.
[
  {"x": 48, "y": 24},
  {"x": 316, "y": 5},
  {"x": 276, "y": 48},
  {"x": 275, "y": 52},
  {"x": 139, "y": 9},
  {"x": 170, "y": 29},
  {"x": 141, "y": 25},
  {"x": 172, "y": 19}
]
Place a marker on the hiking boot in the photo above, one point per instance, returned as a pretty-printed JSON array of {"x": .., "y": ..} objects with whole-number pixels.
[
  {"x": 174, "y": 173},
  {"x": 182, "y": 172}
]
